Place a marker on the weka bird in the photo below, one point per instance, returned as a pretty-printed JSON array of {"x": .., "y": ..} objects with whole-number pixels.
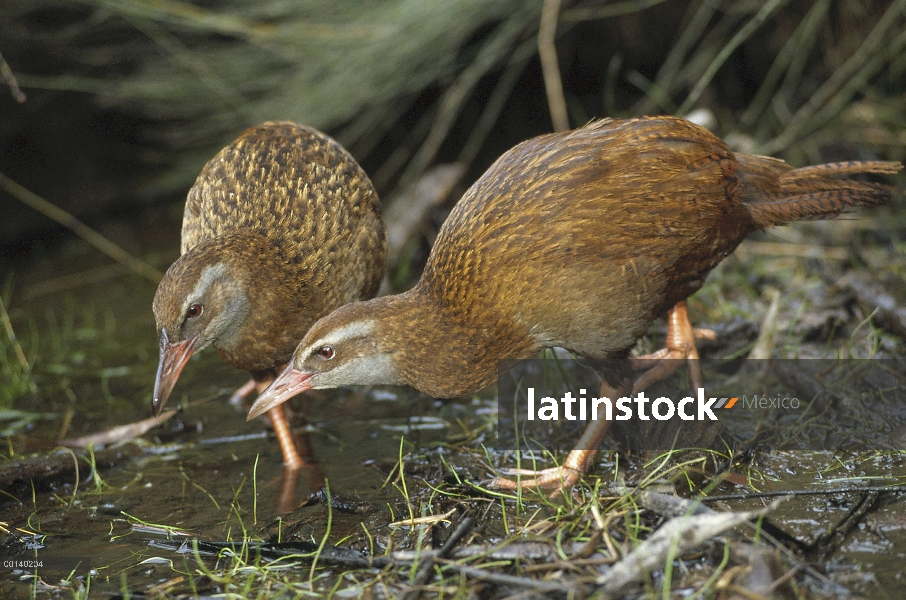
[
  {"x": 280, "y": 228},
  {"x": 577, "y": 239}
]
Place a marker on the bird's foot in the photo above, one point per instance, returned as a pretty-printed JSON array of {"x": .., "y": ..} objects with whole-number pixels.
[
  {"x": 680, "y": 344},
  {"x": 556, "y": 479},
  {"x": 578, "y": 461}
]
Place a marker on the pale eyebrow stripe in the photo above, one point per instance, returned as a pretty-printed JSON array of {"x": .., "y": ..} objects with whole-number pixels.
[
  {"x": 346, "y": 332},
  {"x": 208, "y": 275}
]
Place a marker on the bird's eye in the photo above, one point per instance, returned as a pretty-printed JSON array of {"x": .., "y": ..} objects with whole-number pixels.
[
  {"x": 326, "y": 352},
  {"x": 194, "y": 311}
]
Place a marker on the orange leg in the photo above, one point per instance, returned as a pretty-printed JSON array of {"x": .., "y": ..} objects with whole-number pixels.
[
  {"x": 680, "y": 344},
  {"x": 291, "y": 457},
  {"x": 241, "y": 393},
  {"x": 294, "y": 465},
  {"x": 277, "y": 415},
  {"x": 577, "y": 463}
]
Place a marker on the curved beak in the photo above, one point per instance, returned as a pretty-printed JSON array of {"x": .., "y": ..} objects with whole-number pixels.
[
  {"x": 173, "y": 357},
  {"x": 288, "y": 384}
]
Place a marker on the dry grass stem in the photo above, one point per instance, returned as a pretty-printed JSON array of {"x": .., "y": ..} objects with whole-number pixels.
[
  {"x": 408, "y": 214},
  {"x": 120, "y": 433},
  {"x": 764, "y": 345},
  {"x": 10, "y": 79},
  {"x": 547, "y": 51},
  {"x": 17, "y": 348},
  {"x": 85, "y": 232}
]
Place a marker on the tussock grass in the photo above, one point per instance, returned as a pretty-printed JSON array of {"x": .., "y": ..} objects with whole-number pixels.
[{"x": 201, "y": 73}]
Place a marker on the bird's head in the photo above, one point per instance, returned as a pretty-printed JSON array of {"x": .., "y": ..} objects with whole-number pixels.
[
  {"x": 200, "y": 301},
  {"x": 347, "y": 347}
]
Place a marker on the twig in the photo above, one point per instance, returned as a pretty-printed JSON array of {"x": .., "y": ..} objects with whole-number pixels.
[
  {"x": 120, "y": 433},
  {"x": 546, "y": 587},
  {"x": 547, "y": 51},
  {"x": 407, "y": 215},
  {"x": 764, "y": 345},
  {"x": 611, "y": 9},
  {"x": 20, "y": 477},
  {"x": 523, "y": 550},
  {"x": 824, "y": 492},
  {"x": 674, "y": 507},
  {"x": 670, "y": 540},
  {"x": 339, "y": 556},
  {"x": 831, "y": 539},
  {"x": 7, "y": 74},
  {"x": 85, "y": 232},
  {"x": 70, "y": 281}
]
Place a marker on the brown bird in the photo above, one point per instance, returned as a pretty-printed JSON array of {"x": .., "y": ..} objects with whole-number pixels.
[
  {"x": 579, "y": 240},
  {"x": 280, "y": 228}
]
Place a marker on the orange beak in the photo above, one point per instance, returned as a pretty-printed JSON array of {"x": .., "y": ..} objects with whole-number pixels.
[
  {"x": 288, "y": 384},
  {"x": 173, "y": 357}
]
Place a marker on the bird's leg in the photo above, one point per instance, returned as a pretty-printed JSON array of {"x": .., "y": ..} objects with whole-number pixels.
[
  {"x": 291, "y": 457},
  {"x": 680, "y": 344},
  {"x": 294, "y": 465},
  {"x": 240, "y": 394},
  {"x": 577, "y": 463},
  {"x": 290, "y": 446},
  {"x": 258, "y": 383},
  {"x": 279, "y": 422}
]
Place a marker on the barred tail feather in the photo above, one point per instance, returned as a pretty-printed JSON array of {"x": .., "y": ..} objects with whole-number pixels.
[
  {"x": 852, "y": 167},
  {"x": 815, "y": 192}
]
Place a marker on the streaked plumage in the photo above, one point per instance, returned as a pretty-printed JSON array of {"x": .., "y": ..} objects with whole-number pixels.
[
  {"x": 280, "y": 228},
  {"x": 578, "y": 240}
]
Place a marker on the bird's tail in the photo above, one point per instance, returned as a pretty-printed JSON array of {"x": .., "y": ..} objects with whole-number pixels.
[{"x": 775, "y": 194}]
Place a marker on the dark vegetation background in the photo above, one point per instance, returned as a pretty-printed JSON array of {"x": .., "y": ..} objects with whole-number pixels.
[{"x": 126, "y": 100}]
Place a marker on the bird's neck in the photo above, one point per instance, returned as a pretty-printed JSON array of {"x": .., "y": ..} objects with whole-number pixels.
[
  {"x": 445, "y": 352},
  {"x": 268, "y": 332}
]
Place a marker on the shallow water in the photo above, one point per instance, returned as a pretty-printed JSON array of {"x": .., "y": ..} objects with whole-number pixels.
[{"x": 206, "y": 471}]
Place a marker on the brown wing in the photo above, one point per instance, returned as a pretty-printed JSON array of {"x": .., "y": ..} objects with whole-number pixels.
[
  {"x": 616, "y": 221},
  {"x": 301, "y": 190}
]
